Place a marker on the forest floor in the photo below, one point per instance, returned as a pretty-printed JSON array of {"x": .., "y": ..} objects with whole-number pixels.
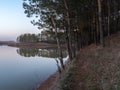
[{"x": 95, "y": 68}]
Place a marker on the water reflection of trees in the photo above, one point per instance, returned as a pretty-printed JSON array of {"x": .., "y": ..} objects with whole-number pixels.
[{"x": 32, "y": 52}]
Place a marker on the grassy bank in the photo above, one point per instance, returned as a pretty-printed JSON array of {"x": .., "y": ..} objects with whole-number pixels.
[
  {"x": 96, "y": 68},
  {"x": 67, "y": 81}
]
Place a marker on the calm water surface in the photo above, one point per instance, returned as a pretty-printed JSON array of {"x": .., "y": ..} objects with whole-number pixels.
[{"x": 20, "y": 69}]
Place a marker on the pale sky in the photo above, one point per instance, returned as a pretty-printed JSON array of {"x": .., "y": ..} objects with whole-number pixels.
[{"x": 13, "y": 21}]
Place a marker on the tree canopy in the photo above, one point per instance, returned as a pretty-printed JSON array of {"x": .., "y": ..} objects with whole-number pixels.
[{"x": 83, "y": 21}]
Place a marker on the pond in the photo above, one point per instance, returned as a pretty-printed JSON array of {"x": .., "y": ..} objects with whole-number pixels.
[{"x": 24, "y": 68}]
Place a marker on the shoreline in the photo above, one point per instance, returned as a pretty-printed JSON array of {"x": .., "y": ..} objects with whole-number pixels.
[
  {"x": 54, "y": 80},
  {"x": 51, "y": 83},
  {"x": 30, "y": 44}
]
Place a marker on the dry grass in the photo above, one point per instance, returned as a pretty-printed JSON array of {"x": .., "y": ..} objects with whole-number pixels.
[
  {"x": 96, "y": 68},
  {"x": 99, "y": 68}
]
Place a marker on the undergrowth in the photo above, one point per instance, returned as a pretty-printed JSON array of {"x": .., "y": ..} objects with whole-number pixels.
[{"x": 68, "y": 82}]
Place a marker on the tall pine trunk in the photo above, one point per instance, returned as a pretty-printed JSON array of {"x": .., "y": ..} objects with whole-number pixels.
[
  {"x": 108, "y": 22},
  {"x": 68, "y": 32},
  {"x": 100, "y": 23},
  {"x": 108, "y": 5}
]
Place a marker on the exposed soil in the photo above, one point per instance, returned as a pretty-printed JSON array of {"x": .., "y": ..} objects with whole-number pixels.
[{"x": 50, "y": 84}]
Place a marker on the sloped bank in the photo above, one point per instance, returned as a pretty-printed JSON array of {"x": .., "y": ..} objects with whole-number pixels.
[
  {"x": 58, "y": 81},
  {"x": 95, "y": 68}
]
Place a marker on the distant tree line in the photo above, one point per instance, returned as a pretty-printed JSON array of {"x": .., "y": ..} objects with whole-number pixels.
[
  {"x": 83, "y": 21},
  {"x": 45, "y": 36},
  {"x": 28, "y": 38}
]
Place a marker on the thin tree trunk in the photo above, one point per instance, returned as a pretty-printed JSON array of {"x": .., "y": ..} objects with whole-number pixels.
[
  {"x": 108, "y": 27},
  {"x": 100, "y": 23},
  {"x": 58, "y": 43},
  {"x": 68, "y": 31},
  {"x": 108, "y": 4},
  {"x": 68, "y": 45}
]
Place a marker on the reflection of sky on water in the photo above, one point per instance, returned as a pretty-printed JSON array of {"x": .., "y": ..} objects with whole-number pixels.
[{"x": 21, "y": 73}]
